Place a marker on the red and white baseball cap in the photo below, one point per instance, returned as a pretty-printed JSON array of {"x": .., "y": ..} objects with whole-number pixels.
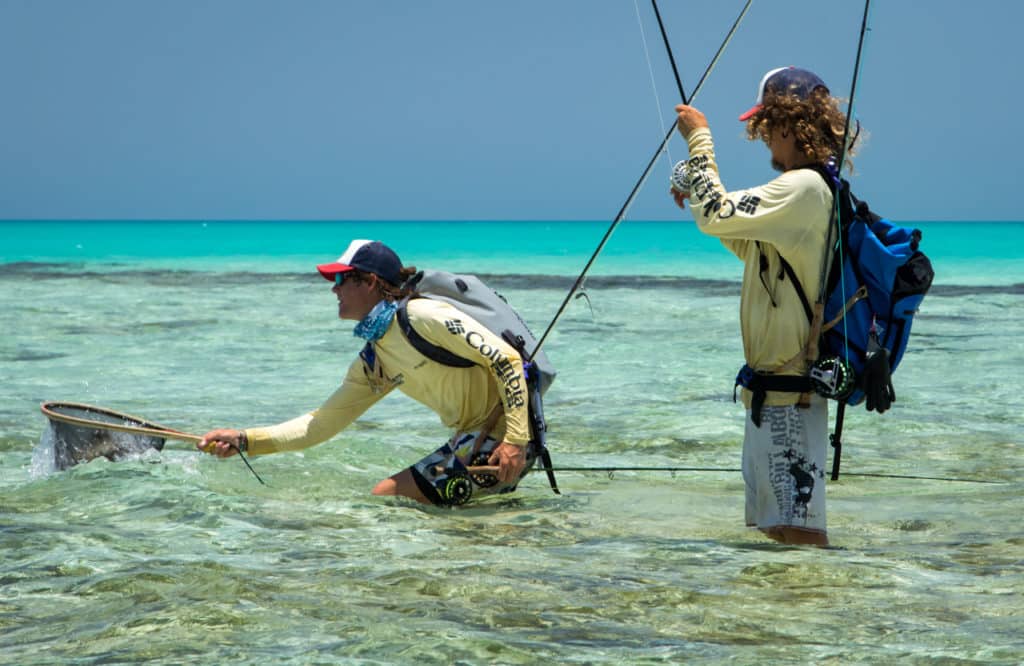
[
  {"x": 785, "y": 81},
  {"x": 368, "y": 256}
]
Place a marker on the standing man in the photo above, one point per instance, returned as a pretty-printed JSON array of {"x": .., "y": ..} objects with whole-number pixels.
[
  {"x": 484, "y": 404},
  {"x": 778, "y": 230}
]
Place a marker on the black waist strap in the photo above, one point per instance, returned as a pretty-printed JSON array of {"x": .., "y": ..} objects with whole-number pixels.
[{"x": 759, "y": 384}]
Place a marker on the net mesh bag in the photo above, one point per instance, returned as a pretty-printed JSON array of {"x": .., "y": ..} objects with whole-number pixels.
[{"x": 81, "y": 433}]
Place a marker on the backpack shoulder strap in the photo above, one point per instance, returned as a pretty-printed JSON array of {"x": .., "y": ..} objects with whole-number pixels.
[
  {"x": 839, "y": 188},
  {"x": 799, "y": 288},
  {"x": 827, "y": 175},
  {"x": 423, "y": 346},
  {"x": 787, "y": 270}
]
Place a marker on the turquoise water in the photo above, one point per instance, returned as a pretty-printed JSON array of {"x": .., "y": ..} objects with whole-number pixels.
[
  {"x": 178, "y": 558},
  {"x": 973, "y": 253}
]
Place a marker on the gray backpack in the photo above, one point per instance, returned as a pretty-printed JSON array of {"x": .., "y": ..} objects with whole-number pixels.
[{"x": 470, "y": 295}]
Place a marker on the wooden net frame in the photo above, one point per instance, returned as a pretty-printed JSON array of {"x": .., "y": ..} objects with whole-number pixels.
[{"x": 108, "y": 419}]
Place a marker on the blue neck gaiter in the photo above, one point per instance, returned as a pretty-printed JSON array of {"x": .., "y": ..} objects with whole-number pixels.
[{"x": 375, "y": 324}]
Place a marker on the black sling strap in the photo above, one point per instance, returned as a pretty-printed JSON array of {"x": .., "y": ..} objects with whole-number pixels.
[
  {"x": 789, "y": 272},
  {"x": 423, "y": 346},
  {"x": 799, "y": 288}
]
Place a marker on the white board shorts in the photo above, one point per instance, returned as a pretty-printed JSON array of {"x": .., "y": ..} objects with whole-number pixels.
[{"x": 784, "y": 466}]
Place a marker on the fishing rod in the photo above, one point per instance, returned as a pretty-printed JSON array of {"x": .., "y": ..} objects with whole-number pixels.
[
  {"x": 853, "y": 83},
  {"x": 639, "y": 183},
  {"x": 671, "y": 57},
  {"x": 835, "y": 227}
]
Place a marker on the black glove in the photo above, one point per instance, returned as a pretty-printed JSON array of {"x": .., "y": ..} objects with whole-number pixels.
[{"x": 876, "y": 380}]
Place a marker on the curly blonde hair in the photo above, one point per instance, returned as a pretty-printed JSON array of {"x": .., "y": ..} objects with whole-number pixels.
[{"x": 816, "y": 122}]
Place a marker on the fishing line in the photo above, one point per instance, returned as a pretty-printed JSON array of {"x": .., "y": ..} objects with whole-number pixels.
[
  {"x": 636, "y": 188},
  {"x": 650, "y": 70},
  {"x": 246, "y": 461},
  {"x": 611, "y": 470}
]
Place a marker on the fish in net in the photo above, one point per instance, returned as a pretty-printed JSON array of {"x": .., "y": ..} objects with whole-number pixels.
[{"x": 80, "y": 433}]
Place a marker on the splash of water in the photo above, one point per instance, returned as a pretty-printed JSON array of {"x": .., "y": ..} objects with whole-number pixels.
[{"x": 43, "y": 464}]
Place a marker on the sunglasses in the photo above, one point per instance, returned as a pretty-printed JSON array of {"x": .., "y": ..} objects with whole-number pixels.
[{"x": 354, "y": 276}]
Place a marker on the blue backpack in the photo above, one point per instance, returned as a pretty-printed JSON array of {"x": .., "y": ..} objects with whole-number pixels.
[
  {"x": 877, "y": 279},
  {"x": 873, "y": 298},
  {"x": 876, "y": 282}
]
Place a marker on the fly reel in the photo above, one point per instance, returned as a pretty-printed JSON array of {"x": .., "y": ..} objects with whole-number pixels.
[
  {"x": 833, "y": 378},
  {"x": 680, "y": 179},
  {"x": 483, "y": 479},
  {"x": 457, "y": 490}
]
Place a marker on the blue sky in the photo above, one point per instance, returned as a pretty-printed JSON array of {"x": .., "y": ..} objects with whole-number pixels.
[{"x": 476, "y": 109}]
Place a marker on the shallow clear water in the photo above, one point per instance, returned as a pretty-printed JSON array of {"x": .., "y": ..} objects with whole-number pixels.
[{"x": 177, "y": 558}]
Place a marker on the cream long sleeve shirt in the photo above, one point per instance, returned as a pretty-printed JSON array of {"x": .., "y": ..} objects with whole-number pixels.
[
  {"x": 463, "y": 398},
  {"x": 789, "y": 216}
]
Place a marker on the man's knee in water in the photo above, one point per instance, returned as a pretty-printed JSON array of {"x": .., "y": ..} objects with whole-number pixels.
[{"x": 402, "y": 485}]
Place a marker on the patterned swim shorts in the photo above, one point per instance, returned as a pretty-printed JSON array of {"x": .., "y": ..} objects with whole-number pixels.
[{"x": 444, "y": 478}]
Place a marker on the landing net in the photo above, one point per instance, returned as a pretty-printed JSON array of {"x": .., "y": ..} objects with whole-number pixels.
[{"x": 81, "y": 432}]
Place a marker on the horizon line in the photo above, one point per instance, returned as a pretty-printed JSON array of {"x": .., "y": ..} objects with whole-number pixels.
[{"x": 318, "y": 220}]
